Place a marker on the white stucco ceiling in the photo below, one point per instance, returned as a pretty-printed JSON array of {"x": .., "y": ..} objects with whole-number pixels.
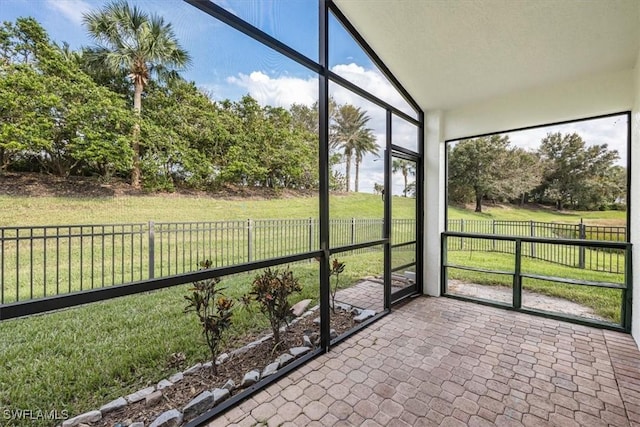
[{"x": 452, "y": 53}]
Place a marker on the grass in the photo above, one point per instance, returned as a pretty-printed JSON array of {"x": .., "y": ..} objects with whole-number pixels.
[
  {"x": 80, "y": 358},
  {"x": 604, "y": 302},
  {"x": 512, "y": 213},
  {"x": 16, "y": 211}
]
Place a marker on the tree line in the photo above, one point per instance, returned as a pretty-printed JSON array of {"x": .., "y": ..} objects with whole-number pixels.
[
  {"x": 564, "y": 172},
  {"x": 120, "y": 108}
]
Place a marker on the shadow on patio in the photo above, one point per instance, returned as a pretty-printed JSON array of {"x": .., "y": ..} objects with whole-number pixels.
[{"x": 438, "y": 361}]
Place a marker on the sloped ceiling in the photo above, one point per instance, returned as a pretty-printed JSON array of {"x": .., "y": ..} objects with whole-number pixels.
[{"x": 453, "y": 53}]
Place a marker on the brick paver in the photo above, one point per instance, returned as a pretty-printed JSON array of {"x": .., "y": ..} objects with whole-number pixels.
[{"x": 438, "y": 361}]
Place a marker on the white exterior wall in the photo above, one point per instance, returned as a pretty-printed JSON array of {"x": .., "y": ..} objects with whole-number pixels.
[
  {"x": 434, "y": 199},
  {"x": 635, "y": 203}
]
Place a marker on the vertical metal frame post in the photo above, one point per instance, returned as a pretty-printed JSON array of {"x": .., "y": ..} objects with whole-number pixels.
[
  {"x": 323, "y": 135},
  {"x": 628, "y": 199},
  {"x": 420, "y": 208},
  {"x": 627, "y": 294},
  {"x": 387, "y": 213},
  {"x": 517, "y": 278},
  {"x": 443, "y": 265}
]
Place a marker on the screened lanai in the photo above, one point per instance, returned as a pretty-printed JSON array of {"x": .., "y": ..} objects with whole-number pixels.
[{"x": 431, "y": 75}]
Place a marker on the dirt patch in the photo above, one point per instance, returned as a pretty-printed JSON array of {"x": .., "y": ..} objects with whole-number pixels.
[
  {"x": 529, "y": 299},
  {"x": 181, "y": 393},
  {"x": 42, "y": 185}
]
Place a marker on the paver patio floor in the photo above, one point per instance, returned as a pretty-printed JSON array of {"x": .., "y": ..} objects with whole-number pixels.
[{"x": 438, "y": 361}]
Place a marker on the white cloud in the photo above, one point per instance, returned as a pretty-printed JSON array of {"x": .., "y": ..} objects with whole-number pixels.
[
  {"x": 279, "y": 91},
  {"x": 373, "y": 82},
  {"x": 73, "y": 10}
]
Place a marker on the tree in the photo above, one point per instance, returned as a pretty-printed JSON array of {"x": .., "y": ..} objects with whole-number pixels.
[
  {"x": 521, "y": 173},
  {"x": 308, "y": 117},
  {"x": 350, "y": 132},
  {"x": 619, "y": 185},
  {"x": 54, "y": 115},
  {"x": 269, "y": 149},
  {"x": 24, "y": 98},
  {"x": 406, "y": 168},
  {"x": 476, "y": 166},
  {"x": 575, "y": 174},
  {"x": 143, "y": 45},
  {"x": 187, "y": 136}
]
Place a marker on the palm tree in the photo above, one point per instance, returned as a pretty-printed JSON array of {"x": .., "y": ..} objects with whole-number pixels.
[
  {"x": 350, "y": 133},
  {"x": 406, "y": 168},
  {"x": 140, "y": 44},
  {"x": 364, "y": 144}
]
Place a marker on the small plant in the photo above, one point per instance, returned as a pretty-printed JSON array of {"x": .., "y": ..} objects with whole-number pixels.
[
  {"x": 272, "y": 290},
  {"x": 335, "y": 269},
  {"x": 214, "y": 310}
]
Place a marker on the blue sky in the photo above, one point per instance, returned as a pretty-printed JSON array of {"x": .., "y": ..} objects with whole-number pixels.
[{"x": 223, "y": 59}]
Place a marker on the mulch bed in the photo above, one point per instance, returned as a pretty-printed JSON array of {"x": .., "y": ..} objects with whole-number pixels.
[{"x": 181, "y": 393}]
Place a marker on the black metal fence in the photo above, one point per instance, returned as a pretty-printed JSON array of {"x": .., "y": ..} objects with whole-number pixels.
[
  {"x": 591, "y": 258},
  {"x": 44, "y": 261}
]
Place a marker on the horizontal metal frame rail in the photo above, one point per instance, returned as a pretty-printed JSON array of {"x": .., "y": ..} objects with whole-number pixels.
[
  {"x": 518, "y": 275},
  {"x": 341, "y": 249},
  {"x": 587, "y": 258},
  {"x": 599, "y": 284},
  {"x": 400, "y": 245},
  {"x": 401, "y": 267},
  {"x": 526, "y": 239},
  {"x": 405, "y": 153}
]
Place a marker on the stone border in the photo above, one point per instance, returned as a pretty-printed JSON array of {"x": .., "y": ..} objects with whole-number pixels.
[{"x": 210, "y": 398}]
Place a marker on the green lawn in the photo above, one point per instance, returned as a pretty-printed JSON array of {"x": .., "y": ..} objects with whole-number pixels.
[
  {"x": 17, "y": 211},
  {"x": 49, "y": 266},
  {"x": 513, "y": 213}
]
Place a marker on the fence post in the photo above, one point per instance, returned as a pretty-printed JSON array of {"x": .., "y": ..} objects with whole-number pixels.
[
  {"x": 462, "y": 231},
  {"x": 493, "y": 231},
  {"x": 152, "y": 254},
  {"x": 517, "y": 279},
  {"x": 353, "y": 231},
  {"x": 310, "y": 234},
  {"x": 249, "y": 239},
  {"x": 532, "y": 233},
  {"x": 581, "y": 235}
]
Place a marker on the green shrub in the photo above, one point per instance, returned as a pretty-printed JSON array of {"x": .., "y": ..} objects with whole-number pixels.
[
  {"x": 335, "y": 269},
  {"x": 271, "y": 290},
  {"x": 214, "y": 311}
]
